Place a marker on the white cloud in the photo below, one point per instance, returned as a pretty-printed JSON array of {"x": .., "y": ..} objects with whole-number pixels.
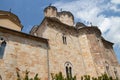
[
  {"x": 105, "y": 25},
  {"x": 82, "y": 9},
  {"x": 114, "y": 5},
  {"x": 90, "y": 10},
  {"x": 114, "y": 29},
  {"x": 115, "y": 1},
  {"x": 114, "y": 8}
]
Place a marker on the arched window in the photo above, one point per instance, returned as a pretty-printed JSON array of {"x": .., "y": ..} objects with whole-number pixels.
[
  {"x": 2, "y": 47},
  {"x": 68, "y": 67}
]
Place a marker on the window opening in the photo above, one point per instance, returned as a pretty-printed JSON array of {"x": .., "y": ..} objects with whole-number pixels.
[
  {"x": 64, "y": 38},
  {"x": 68, "y": 66},
  {"x": 0, "y": 77},
  {"x": 115, "y": 72},
  {"x": 107, "y": 67},
  {"x": 2, "y": 47}
]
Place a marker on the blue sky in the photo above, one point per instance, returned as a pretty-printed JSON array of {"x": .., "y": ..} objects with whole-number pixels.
[{"x": 102, "y": 13}]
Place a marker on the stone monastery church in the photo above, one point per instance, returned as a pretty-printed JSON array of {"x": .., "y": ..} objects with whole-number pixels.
[{"x": 57, "y": 44}]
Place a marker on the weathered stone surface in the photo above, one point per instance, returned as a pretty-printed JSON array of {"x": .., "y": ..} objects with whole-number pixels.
[
  {"x": 86, "y": 52},
  {"x": 24, "y": 54}
]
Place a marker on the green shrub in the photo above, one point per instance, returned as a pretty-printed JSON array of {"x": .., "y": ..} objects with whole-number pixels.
[
  {"x": 59, "y": 76},
  {"x": 26, "y": 77}
]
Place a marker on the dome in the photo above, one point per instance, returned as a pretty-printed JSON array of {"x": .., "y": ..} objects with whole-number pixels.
[
  {"x": 11, "y": 19},
  {"x": 66, "y": 17},
  {"x": 80, "y": 25},
  {"x": 66, "y": 13},
  {"x": 50, "y": 7},
  {"x": 50, "y": 11}
]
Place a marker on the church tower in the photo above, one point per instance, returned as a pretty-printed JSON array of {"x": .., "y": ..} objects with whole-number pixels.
[{"x": 65, "y": 17}]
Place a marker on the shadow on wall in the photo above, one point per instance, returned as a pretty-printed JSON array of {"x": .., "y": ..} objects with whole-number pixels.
[{"x": 0, "y": 77}]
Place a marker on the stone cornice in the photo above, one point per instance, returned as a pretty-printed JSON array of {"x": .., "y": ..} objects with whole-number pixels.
[
  {"x": 52, "y": 22},
  {"x": 90, "y": 30},
  {"x": 71, "y": 29},
  {"x": 107, "y": 43},
  {"x": 21, "y": 34}
]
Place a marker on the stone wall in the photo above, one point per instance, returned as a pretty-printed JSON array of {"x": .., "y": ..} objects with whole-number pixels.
[
  {"x": 103, "y": 55},
  {"x": 76, "y": 51},
  {"x": 85, "y": 49},
  {"x": 87, "y": 55},
  {"x": 24, "y": 54},
  {"x": 96, "y": 52},
  {"x": 60, "y": 53}
]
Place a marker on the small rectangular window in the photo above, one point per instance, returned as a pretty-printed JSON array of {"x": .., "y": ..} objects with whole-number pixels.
[{"x": 64, "y": 39}]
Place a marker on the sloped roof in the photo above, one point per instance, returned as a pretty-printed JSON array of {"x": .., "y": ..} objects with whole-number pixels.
[
  {"x": 21, "y": 34},
  {"x": 11, "y": 16},
  {"x": 107, "y": 43},
  {"x": 88, "y": 29},
  {"x": 71, "y": 28}
]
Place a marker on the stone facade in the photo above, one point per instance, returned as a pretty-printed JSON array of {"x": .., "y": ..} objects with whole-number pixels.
[
  {"x": 23, "y": 52},
  {"x": 56, "y": 44},
  {"x": 85, "y": 49}
]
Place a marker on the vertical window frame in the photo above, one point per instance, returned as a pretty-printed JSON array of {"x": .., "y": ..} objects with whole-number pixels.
[
  {"x": 64, "y": 38},
  {"x": 68, "y": 69},
  {"x": 2, "y": 47}
]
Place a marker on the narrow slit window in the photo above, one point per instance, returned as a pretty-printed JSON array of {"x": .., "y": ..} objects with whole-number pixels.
[
  {"x": 70, "y": 68},
  {"x": 2, "y": 48},
  {"x": 67, "y": 74},
  {"x": 64, "y": 39},
  {"x": 0, "y": 77},
  {"x": 115, "y": 72},
  {"x": 107, "y": 67}
]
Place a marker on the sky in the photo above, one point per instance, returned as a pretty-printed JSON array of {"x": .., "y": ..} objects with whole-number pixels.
[{"x": 102, "y": 13}]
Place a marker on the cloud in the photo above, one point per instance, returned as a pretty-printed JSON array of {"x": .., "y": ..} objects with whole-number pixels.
[
  {"x": 86, "y": 10},
  {"x": 92, "y": 11},
  {"x": 114, "y": 5},
  {"x": 115, "y": 8},
  {"x": 113, "y": 28},
  {"x": 115, "y": 1}
]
